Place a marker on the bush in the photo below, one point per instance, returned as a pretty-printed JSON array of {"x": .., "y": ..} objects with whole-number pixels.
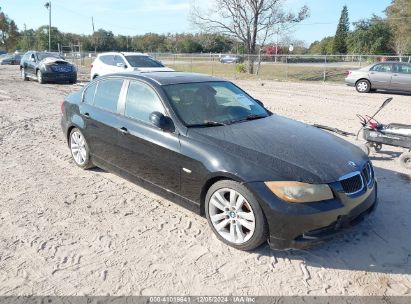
[{"x": 241, "y": 68}]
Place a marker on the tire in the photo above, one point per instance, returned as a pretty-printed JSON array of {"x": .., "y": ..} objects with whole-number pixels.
[
  {"x": 246, "y": 229},
  {"x": 39, "y": 75},
  {"x": 363, "y": 86},
  {"x": 377, "y": 147},
  {"x": 79, "y": 149},
  {"x": 405, "y": 160},
  {"x": 23, "y": 74}
]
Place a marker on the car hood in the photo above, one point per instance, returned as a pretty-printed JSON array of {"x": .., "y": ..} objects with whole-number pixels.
[
  {"x": 52, "y": 60},
  {"x": 290, "y": 149},
  {"x": 164, "y": 69}
]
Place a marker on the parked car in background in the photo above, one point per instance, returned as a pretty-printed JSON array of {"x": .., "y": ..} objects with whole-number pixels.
[
  {"x": 109, "y": 63},
  {"x": 392, "y": 76},
  {"x": 208, "y": 145},
  {"x": 11, "y": 59},
  {"x": 231, "y": 59},
  {"x": 47, "y": 67}
]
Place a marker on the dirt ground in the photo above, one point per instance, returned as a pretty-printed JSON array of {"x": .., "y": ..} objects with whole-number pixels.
[{"x": 64, "y": 231}]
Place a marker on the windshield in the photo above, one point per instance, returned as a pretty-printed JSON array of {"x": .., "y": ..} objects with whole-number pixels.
[
  {"x": 41, "y": 56},
  {"x": 212, "y": 103},
  {"x": 137, "y": 61}
]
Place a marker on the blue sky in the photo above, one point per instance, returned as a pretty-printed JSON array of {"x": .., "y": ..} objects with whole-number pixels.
[{"x": 131, "y": 17}]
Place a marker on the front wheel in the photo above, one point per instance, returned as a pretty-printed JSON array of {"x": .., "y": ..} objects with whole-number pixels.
[
  {"x": 24, "y": 75},
  {"x": 235, "y": 216},
  {"x": 405, "y": 160},
  {"x": 363, "y": 86},
  {"x": 40, "y": 77},
  {"x": 79, "y": 149}
]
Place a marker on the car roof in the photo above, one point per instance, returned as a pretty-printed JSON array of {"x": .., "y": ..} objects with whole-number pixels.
[
  {"x": 122, "y": 53},
  {"x": 390, "y": 62},
  {"x": 167, "y": 78}
]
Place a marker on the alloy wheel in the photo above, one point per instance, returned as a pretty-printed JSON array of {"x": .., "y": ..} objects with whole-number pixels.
[
  {"x": 78, "y": 148},
  {"x": 232, "y": 216},
  {"x": 362, "y": 86}
]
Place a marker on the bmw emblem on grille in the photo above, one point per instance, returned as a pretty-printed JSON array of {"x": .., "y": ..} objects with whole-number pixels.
[{"x": 352, "y": 164}]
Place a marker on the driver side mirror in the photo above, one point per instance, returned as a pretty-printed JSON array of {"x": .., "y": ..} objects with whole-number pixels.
[
  {"x": 121, "y": 65},
  {"x": 162, "y": 122}
]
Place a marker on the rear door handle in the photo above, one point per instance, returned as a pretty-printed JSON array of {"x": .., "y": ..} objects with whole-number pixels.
[{"x": 124, "y": 131}]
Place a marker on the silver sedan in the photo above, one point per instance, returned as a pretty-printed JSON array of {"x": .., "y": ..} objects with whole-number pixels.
[{"x": 392, "y": 76}]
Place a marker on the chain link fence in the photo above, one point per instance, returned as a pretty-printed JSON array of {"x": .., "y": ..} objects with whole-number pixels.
[{"x": 332, "y": 68}]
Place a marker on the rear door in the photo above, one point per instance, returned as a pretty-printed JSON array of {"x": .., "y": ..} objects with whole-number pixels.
[
  {"x": 146, "y": 151},
  {"x": 401, "y": 79},
  {"x": 381, "y": 75},
  {"x": 100, "y": 113}
]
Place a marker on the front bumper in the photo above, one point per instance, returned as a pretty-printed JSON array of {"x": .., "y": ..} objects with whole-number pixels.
[
  {"x": 300, "y": 226},
  {"x": 59, "y": 76}
]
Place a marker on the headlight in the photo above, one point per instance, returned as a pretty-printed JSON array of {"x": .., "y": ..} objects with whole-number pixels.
[{"x": 296, "y": 192}]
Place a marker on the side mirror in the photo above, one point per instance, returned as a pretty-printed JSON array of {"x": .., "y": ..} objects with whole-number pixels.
[
  {"x": 121, "y": 65},
  {"x": 162, "y": 122}
]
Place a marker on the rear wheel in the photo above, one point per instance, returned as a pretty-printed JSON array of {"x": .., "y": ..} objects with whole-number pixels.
[
  {"x": 405, "y": 160},
  {"x": 363, "y": 86},
  {"x": 235, "y": 216},
  {"x": 79, "y": 149},
  {"x": 40, "y": 77}
]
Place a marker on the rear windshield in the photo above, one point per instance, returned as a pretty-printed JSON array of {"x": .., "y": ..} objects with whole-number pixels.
[
  {"x": 41, "y": 56},
  {"x": 138, "y": 61}
]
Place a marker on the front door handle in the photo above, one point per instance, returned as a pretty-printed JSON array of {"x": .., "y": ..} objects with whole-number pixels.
[
  {"x": 87, "y": 115},
  {"x": 124, "y": 131}
]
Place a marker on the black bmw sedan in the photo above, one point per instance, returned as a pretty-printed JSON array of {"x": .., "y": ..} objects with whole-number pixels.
[{"x": 209, "y": 146}]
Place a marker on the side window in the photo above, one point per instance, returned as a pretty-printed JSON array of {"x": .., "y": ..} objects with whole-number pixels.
[
  {"x": 118, "y": 60},
  {"x": 89, "y": 94},
  {"x": 141, "y": 101},
  {"x": 385, "y": 68},
  {"x": 404, "y": 68},
  {"x": 107, "y": 94},
  {"x": 107, "y": 59}
]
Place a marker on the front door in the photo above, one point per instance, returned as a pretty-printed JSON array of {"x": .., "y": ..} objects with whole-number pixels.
[
  {"x": 380, "y": 76},
  {"x": 146, "y": 151},
  {"x": 401, "y": 79}
]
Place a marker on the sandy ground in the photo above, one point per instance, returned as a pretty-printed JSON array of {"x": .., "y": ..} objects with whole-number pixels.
[{"x": 64, "y": 231}]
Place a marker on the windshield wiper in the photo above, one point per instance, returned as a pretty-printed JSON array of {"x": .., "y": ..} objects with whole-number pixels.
[
  {"x": 207, "y": 124},
  {"x": 249, "y": 117}
]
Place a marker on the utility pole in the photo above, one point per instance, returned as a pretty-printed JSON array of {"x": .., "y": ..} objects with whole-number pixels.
[
  {"x": 94, "y": 36},
  {"x": 48, "y": 6}
]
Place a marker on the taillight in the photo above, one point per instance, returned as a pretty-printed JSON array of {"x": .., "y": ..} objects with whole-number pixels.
[{"x": 62, "y": 107}]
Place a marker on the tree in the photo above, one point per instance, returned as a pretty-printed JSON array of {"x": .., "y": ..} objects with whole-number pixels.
[
  {"x": 399, "y": 18},
  {"x": 371, "y": 36},
  {"x": 323, "y": 47},
  {"x": 9, "y": 33},
  {"x": 343, "y": 28},
  {"x": 250, "y": 21}
]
